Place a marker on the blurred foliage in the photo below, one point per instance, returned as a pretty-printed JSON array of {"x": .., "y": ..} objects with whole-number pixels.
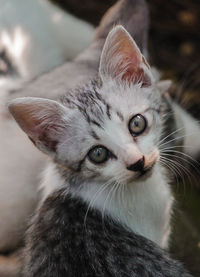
[
  {"x": 185, "y": 240},
  {"x": 174, "y": 47}
]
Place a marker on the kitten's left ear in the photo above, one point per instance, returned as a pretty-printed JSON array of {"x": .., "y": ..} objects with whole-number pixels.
[
  {"x": 43, "y": 120},
  {"x": 122, "y": 60}
]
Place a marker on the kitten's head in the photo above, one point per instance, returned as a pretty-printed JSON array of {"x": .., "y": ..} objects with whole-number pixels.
[{"x": 108, "y": 130}]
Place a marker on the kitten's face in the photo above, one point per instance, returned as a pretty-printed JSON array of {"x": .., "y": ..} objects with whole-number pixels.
[
  {"x": 106, "y": 132},
  {"x": 113, "y": 134}
]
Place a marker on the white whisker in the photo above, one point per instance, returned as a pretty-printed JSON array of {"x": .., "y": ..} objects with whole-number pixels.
[{"x": 95, "y": 196}]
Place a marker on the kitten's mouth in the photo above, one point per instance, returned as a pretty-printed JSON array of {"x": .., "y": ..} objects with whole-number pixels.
[{"x": 146, "y": 173}]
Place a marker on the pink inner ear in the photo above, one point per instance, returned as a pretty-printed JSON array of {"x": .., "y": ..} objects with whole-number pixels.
[
  {"x": 41, "y": 119},
  {"x": 136, "y": 75},
  {"x": 23, "y": 114},
  {"x": 132, "y": 63},
  {"x": 122, "y": 59}
]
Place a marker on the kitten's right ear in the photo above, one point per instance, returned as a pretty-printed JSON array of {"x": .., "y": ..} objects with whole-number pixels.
[
  {"x": 122, "y": 60},
  {"x": 43, "y": 120}
]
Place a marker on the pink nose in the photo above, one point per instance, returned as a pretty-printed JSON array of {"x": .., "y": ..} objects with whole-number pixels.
[{"x": 138, "y": 166}]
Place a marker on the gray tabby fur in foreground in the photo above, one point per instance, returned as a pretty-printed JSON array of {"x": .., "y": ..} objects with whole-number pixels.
[{"x": 62, "y": 243}]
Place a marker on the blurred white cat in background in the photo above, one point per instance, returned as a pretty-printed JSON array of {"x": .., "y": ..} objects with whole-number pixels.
[{"x": 35, "y": 36}]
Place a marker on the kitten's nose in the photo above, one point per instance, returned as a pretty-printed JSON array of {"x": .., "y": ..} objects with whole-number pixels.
[{"x": 138, "y": 166}]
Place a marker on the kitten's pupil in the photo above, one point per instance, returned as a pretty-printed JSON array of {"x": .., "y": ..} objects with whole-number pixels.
[
  {"x": 137, "y": 124},
  {"x": 98, "y": 154}
]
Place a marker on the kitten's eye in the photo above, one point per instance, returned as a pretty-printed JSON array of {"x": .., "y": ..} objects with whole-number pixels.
[
  {"x": 137, "y": 124},
  {"x": 98, "y": 154}
]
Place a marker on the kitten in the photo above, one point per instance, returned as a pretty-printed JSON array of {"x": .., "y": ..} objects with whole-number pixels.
[
  {"x": 104, "y": 141},
  {"x": 118, "y": 118},
  {"x": 103, "y": 111}
]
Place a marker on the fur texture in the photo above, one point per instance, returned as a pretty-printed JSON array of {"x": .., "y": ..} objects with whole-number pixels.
[
  {"x": 73, "y": 246},
  {"x": 54, "y": 43},
  {"x": 25, "y": 53},
  {"x": 20, "y": 165},
  {"x": 99, "y": 115},
  {"x": 73, "y": 130}
]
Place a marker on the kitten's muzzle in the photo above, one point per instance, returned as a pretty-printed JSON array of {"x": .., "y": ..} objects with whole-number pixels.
[{"x": 138, "y": 166}]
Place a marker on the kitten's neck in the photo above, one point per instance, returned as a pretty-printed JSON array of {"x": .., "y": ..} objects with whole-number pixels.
[{"x": 144, "y": 207}]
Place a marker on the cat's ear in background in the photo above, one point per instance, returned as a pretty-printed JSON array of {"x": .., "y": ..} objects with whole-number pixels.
[
  {"x": 164, "y": 86},
  {"x": 41, "y": 119},
  {"x": 122, "y": 60}
]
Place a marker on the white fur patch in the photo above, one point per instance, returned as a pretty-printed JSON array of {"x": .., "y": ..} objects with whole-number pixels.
[
  {"x": 36, "y": 36},
  {"x": 144, "y": 206},
  {"x": 33, "y": 51},
  {"x": 20, "y": 166}
]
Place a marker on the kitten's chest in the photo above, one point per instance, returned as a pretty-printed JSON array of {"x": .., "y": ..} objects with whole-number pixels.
[
  {"x": 143, "y": 207},
  {"x": 148, "y": 210}
]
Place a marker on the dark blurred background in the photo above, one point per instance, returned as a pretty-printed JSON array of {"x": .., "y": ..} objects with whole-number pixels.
[
  {"x": 174, "y": 39},
  {"x": 174, "y": 44}
]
